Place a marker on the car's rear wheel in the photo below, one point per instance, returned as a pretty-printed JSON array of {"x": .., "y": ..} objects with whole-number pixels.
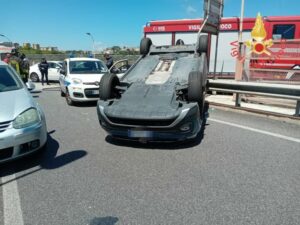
[
  {"x": 145, "y": 46},
  {"x": 107, "y": 86},
  {"x": 62, "y": 94},
  {"x": 202, "y": 44},
  {"x": 68, "y": 98},
  {"x": 34, "y": 77},
  {"x": 196, "y": 90}
]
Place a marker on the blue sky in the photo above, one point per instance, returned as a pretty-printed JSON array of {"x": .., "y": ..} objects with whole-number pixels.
[{"x": 64, "y": 23}]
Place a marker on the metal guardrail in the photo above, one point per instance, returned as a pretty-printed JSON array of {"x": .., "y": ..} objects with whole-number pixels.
[{"x": 254, "y": 88}]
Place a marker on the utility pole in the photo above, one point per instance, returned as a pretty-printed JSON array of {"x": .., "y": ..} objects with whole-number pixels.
[
  {"x": 239, "y": 64},
  {"x": 93, "y": 41},
  {"x": 2, "y": 35}
]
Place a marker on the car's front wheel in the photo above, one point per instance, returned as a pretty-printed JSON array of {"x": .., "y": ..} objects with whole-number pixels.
[
  {"x": 107, "y": 86},
  {"x": 145, "y": 46},
  {"x": 68, "y": 98},
  {"x": 196, "y": 90},
  {"x": 34, "y": 77}
]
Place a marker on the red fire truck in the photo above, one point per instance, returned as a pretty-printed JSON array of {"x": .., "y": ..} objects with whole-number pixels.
[{"x": 283, "y": 62}]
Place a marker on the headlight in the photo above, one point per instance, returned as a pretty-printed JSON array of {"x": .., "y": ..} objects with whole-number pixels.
[
  {"x": 26, "y": 119},
  {"x": 76, "y": 81}
]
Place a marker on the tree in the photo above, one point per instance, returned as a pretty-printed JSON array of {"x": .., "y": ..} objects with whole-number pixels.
[{"x": 116, "y": 49}]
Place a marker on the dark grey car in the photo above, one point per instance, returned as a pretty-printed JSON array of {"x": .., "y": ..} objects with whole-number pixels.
[{"x": 160, "y": 98}]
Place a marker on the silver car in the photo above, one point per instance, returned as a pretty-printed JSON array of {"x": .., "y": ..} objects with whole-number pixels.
[{"x": 22, "y": 122}]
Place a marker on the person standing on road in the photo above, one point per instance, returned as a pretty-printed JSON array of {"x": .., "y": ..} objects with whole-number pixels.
[
  {"x": 24, "y": 68},
  {"x": 20, "y": 64},
  {"x": 109, "y": 60},
  {"x": 43, "y": 67}
]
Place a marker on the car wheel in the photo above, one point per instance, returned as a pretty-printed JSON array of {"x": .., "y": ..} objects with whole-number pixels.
[
  {"x": 196, "y": 90},
  {"x": 62, "y": 94},
  {"x": 202, "y": 44},
  {"x": 106, "y": 87},
  {"x": 68, "y": 98},
  {"x": 34, "y": 77},
  {"x": 145, "y": 46}
]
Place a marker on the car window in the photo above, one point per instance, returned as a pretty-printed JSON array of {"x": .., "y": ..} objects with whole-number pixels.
[
  {"x": 87, "y": 67},
  {"x": 284, "y": 31},
  {"x": 9, "y": 80},
  {"x": 57, "y": 65},
  {"x": 51, "y": 65}
]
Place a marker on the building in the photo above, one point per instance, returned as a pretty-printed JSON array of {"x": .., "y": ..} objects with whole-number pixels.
[
  {"x": 36, "y": 46},
  {"x": 26, "y": 45},
  {"x": 50, "y": 49}
]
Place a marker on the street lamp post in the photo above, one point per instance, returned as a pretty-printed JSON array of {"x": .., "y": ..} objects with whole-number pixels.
[
  {"x": 239, "y": 64},
  {"x": 89, "y": 34},
  {"x": 2, "y": 35}
]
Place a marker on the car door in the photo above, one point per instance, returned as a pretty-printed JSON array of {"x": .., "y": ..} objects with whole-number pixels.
[
  {"x": 53, "y": 71},
  {"x": 120, "y": 67},
  {"x": 62, "y": 77}
]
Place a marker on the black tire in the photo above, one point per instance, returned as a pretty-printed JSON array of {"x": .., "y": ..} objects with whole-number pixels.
[
  {"x": 202, "y": 44},
  {"x": 68, "y": 98},
  {"x": 196, "y": 90},
  {"x": 203, "y": 68},
  {"x": 62, "y": 94},
  {"x": 145, "y": 46},
  {"x": 107, "y": 86},
  {"x": 34, "y": 77}
]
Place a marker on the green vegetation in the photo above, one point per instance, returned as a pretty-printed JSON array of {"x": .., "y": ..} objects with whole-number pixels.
[
  {"x": 27, "y": 50},
  {"x": 115, "y": 50}
]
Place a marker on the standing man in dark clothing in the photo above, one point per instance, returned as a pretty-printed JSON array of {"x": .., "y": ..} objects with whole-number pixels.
[
  {"x": 24, "y": 67},
  {"x": 43, "y": 67},
  {"x": 109, "y": 60}
]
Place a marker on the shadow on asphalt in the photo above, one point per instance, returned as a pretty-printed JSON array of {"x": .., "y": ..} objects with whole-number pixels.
[
  {"x": 86, "y": 104},
  {"x": 109, "y": 220},
  {"x": 44, "y": 160},
  {"x": 163, "y": 145}
]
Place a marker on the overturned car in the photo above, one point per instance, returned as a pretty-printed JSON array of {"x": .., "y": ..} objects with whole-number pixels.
[{"x": 161, "y": 97}]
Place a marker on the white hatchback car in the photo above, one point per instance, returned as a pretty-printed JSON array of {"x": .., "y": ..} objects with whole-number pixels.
[
  {"x": 79, "y": 79},
  {"x": 53, "y": 71}
]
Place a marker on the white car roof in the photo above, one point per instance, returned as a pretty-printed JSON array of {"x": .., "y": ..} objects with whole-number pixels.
[
  {"x": 2, "y": 63},
  {"x": 82, "y": 58}
]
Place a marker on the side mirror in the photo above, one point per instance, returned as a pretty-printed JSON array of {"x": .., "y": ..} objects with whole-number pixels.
[
  {"x": 63, "y": 72},
  {"x": 30, "y": 86}
]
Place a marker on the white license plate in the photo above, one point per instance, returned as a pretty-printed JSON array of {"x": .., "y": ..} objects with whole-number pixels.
[
  {"x": 95, "y": 92},
  {"x": 140, "y": 133}
]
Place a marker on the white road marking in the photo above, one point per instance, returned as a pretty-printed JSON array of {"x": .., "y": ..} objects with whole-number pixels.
[
  {"x": 257, "y": 130},
  {"x": 11, "y": 201}
]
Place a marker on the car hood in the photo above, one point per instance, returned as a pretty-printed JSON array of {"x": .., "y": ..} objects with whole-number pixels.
[
  {"x": 13, "y": 103},
  {"x": 141, "y": 101},
  {"x": 87, "y": 77}
]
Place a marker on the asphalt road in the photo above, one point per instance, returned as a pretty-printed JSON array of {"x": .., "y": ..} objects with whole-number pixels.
[{"x": 244, "y": 169}]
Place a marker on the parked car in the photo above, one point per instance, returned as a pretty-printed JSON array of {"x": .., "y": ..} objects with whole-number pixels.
[
  {"x": 53, "y": 71},
  {"x": 120, "y": 67},
  {"x": 22, "y": 121},
  {"x": 161, "y": 97},
  {"x": 79, "y": 79}
]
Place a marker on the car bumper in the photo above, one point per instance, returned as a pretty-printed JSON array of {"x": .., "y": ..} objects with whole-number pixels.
[
  {"x": 189, "y": 117},
  {"x": 83, "y": 93},
  {"x": 15, "y": 143}
]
